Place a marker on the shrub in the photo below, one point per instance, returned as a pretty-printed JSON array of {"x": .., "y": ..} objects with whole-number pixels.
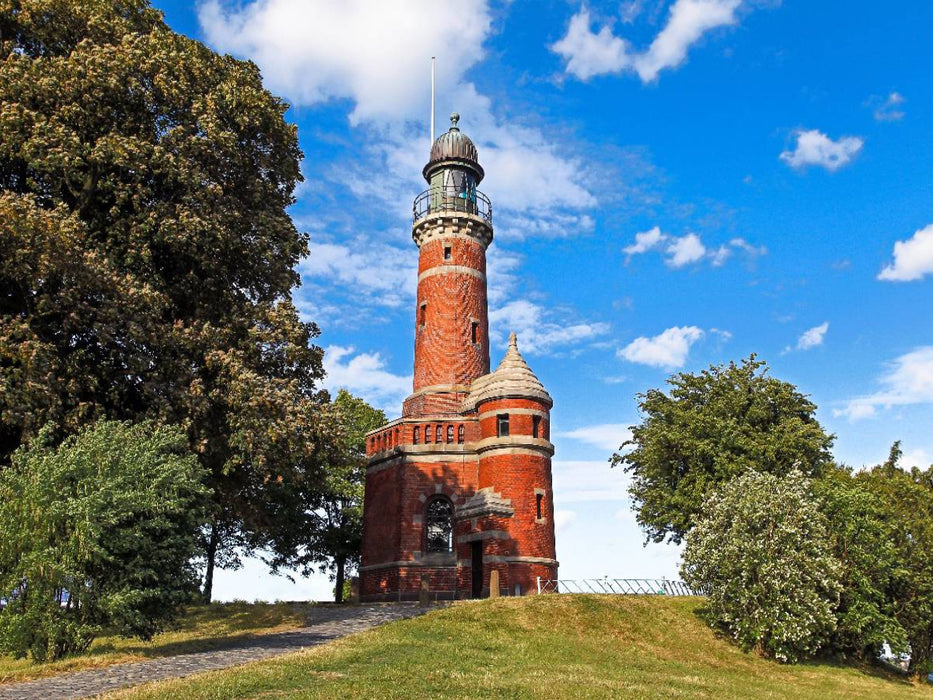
[
  {"x": 100, "y": 531},
  {"x": 760, "y": 550}
]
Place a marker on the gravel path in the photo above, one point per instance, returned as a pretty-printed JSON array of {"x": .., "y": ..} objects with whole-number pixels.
[{"x": 324, "y": 624}]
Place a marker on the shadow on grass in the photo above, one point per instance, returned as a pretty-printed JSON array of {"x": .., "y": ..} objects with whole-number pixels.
[{"x": 873, "y": 668}]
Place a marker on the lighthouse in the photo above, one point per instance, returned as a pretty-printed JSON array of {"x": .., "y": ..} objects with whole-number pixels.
[{"x": 460, "y": 485}]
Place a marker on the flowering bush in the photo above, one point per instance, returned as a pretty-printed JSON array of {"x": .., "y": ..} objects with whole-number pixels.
[{"x": 761, "y": 551}]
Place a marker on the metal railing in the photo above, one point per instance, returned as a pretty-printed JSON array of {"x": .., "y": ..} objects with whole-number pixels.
[
  {"x": 449, "y": 199},
  {"x": 616, "y": 586}
]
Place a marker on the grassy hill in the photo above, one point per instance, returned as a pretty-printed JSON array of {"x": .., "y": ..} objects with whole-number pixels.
[{"x": 541, "y": 646}]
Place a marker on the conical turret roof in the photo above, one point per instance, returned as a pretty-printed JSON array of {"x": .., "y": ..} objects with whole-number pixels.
[{"x": 513, "y": 378}]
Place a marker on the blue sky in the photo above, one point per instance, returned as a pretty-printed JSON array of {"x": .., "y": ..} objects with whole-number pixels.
[{"x": 675, "y": 183}]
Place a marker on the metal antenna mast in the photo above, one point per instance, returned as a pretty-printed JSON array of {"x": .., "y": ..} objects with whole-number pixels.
[{"x": 432, "y": 102}]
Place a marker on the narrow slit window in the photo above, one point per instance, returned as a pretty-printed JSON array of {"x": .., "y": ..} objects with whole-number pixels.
[
  {"x": 460, "y": 434},
  {"x": 422, "y": 314},
  {"x": 427, "y": 434},
  {"x": 450, "y": 433},
  {"x": 502, "y": 425},
  {"x": 438, "y": 434},
  {"x": 446, "y": 252},
  {"x": 474, "y": 332},
  {"x": 539, "y": 505},
  {"x": 536, "y": 426},
  {"x": 416, "y": 435}
]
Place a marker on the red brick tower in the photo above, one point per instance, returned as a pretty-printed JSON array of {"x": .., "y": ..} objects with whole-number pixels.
[{"x": 460, "y": 485}]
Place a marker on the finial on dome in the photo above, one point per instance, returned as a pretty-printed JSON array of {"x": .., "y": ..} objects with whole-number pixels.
[
  {"x": 513, "y": 340},
  {"x": 454, "y": 118}
]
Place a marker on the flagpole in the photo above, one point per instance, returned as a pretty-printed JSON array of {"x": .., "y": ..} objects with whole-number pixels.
[{"x": 432, "y": 101}]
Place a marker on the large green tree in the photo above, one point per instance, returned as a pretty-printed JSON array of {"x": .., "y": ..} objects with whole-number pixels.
[
  {"x": 864, "y": 536},
  {"x": 906, "y": 503},
  {"x": 328, "y": 533},
  {"x": 708, "y": 428},
  {"x": 99, "y": 531},
  {"x": 146, "y": 255}
]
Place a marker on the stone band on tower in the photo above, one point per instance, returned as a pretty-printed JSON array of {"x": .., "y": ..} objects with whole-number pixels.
[{"x": 460, "y": 485}]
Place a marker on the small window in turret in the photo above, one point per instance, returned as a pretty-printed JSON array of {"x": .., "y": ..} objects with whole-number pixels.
[
  {"x": 474, "y": 332},
  {"x": 502, "y": 425},
  {"x": 416, "y": 435},
  {"x": 446, "y": 252},
  {"x": 539, "y": 503},
  {"x": 536, "y": 426},
  {"x": 423, "y": 314}
]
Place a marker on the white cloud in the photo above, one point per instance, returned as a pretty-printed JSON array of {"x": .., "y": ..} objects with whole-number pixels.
[
  {"x": 519, "y": 227},
  {"x": 667, "y": 350},
  {"x": 563, "y": 519},
  {"x": 752, "y": 251},
  {"x": 387, "y": 274},
  {"x": 855, "y": 410},
  {"x": 587, "y": 481},
  {"x": 913, "y": 258},
  {"x": 589, "y": 53},
  {"x": 917, "y": 457},
  {"x": 889, "y": 110},
  {"x": 685, "y": 250},
  {"x": 687, "y": 22},
  {"x": 816, "y": 148},
  {"x": 540, "y": 330},
  {"x": 719, "y": 256},
  {"x": 365, "y": 375},
  {"x": 605, "y": 436},
  {"x": 372, "y": 53},
  {"x": 681, "y": 251},
  {"x": 908, "y": 380},
  {"x": 813, "y": 337},
  {"x": 644, "y": 241}
]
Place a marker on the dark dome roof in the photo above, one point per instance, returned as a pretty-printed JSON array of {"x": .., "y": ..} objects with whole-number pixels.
[{"x": 454, "y": 145}]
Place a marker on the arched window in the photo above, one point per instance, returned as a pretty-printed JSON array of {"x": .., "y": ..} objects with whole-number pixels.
[
  {"x": 460, "y": 434},
  {"x": 416, "y": 435},
  {"x": 438, "y": 525},
  {"x": 450, "y": 433},
  {"x": 438, "y": 434},
  {"x": 427, "y": 434}
]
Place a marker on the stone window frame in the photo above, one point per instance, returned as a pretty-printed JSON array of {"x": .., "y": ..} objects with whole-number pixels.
[
  {"x": 540, "y": 505},
  {"x": 430, "y": 518},
  {"x": 502, "y": 425}
]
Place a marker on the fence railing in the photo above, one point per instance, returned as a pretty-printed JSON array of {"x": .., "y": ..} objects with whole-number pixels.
[
  {"x": 616, "y": 586},
  {"x": 447, "y": 199}
]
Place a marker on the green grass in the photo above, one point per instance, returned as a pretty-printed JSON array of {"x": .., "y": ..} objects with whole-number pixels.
[
  {"x": 202, "y": 627},
  {"x": 535, "y": 647}
]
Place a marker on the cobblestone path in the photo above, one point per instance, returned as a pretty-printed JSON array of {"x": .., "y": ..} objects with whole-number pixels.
[{"x": 324, "y": 624}]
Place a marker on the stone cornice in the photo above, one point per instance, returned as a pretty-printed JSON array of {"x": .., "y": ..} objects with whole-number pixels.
[{"x": 451, "y": 223}]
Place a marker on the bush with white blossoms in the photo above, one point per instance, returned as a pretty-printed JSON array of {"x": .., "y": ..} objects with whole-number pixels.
[{"x": 761, "y": 552}]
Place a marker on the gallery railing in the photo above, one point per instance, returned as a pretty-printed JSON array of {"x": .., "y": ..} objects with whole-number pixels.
[
  {"x": 452, "y": 199},
  {"x": 616, "y": 586}
]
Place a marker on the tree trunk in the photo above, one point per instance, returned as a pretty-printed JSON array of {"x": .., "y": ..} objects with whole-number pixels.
[
  {"x": 338, "y": 591},
  {"x": 211, "y": 556}
]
